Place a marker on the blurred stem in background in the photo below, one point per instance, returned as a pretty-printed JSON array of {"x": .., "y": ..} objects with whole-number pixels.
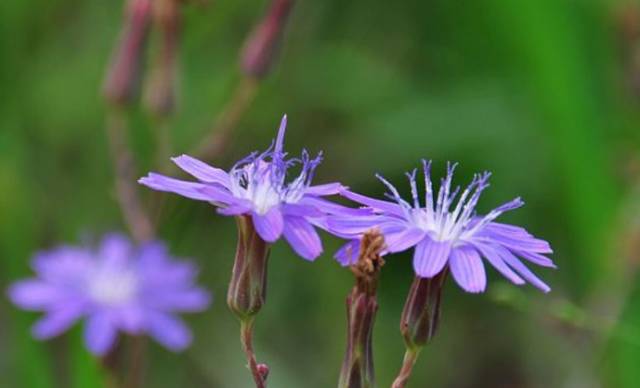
[
  {"x": 160, "y": 94},
  {"x": 362, "y": 304},
  {"x": 120, "y": 89},
  {"x": 420, "y": 320},
  {"x": 133, "y": 211},
  {"x": 257, "y": 59},
  {"x": 109, "y": 364}
]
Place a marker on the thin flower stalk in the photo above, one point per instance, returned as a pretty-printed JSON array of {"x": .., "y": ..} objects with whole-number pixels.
[
  {"x": 358, "y": 368},
  {"x": 248, "y": 289},
  {"x": 419, "y": 321}
]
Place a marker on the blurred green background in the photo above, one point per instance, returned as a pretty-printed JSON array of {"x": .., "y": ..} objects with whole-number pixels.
[{"x": 543, "y": 93}]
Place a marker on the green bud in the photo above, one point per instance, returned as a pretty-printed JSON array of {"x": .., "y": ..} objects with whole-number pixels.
[
  {"x": 421, "y": 313},
  {"x": 247, "y": 289}
]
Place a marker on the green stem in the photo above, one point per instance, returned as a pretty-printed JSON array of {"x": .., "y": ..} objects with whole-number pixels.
[{"x": 410, "y": 357}]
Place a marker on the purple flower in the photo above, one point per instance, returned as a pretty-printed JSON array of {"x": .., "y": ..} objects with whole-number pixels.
[
  {"x": 444, "y": 234},
  {"x": 257, "y": 186},
  {"x": 115, "y": 287}
]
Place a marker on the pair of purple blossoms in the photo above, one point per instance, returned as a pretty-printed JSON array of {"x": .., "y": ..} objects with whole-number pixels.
[
  {"x": 138, "y": 289},
  {"x": 445, "y": 230}
]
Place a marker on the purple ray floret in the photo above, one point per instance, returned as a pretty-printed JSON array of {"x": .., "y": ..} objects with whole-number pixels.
[
  {"x": 257, "y": 186},
  {"x": 117, "y": 287},
  {"x": 446, "y": 231}
]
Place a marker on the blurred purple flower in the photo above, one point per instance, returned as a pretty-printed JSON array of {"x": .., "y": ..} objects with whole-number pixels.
[
  {"x": 257, "y": 186},
  {"x": 115, "y": 287},
  {"x": 443, "y": 236}
]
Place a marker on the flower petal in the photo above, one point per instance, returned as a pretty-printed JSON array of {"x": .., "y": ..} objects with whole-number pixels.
[
  {"x": 235, "y": 209},
  {"x": 467, "y": 269},
  {"x": 35, "y": 295},
  {"x": 536, "y": 258},
  {"x": 496, "y": 261},
  {"x": 329, "y": 207},
  {"x": 115, "y": 249},
  {"x": 353, "y": 226},
  {"x": 325, "y": 189},
  {"x": 221, "y": 196},
  {"x": 296, "y": 209},
  {"x": 202, "y": 170},
  {"x": 520, "y": 268},
  {"x": 302, "y": 237},
  {"x": 186, "y": 189},
  {"x": 348, "y": 253},
  {"x": 169, "y": 331},
  {"x": 384, "y": 206},
  {"x": 430, "y": 257},
  {"x": 515, "y": 238},
  {"x": 57, "y": 321},
  {"x": 99, "y": 333},
  {"x": 187, "y": 300},
  {"x": 64, "y": 265},
  {"x": 130, "y": 318},
  {"x": 403, "y": 240},
  {"x": 269, "y": 226}
]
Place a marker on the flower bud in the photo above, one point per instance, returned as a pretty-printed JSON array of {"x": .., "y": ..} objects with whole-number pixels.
[
  {"x": 247, "y": 290},
  {"x": 357, "y": 367},
  {"x": 160, "y": 88},
  {"x": 125, "y": 66},
  {"x": 421, "y": 313},
  {"x": 263, "y": 369},
  {"x": 264, "y": 41}
]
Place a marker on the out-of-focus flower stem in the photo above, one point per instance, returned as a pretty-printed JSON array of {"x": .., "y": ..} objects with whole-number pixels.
[
  {"x": 136, "y": 362},
  {"x": 219, "y": 136},
  {"x": 110, "y": 380},
  {"x": 161, "y": 86},
  {"x": 133, "y": 212},
  {"x": 109, "y": 365},
  {"x": 256, "y": 61},
  {"x": 119, "y": 90},
  {"x": 121, "y": 81},
  {"x": 136, "y": 219}
]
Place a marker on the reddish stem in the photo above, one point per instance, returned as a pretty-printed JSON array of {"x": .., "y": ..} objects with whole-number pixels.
[
  {"x": 410, "y": 357},
  {"x": 246, "y": 336}
]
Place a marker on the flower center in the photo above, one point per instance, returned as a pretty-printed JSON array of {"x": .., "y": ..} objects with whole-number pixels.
[
  {"x": 264, "y": 197},
  {"x": 113, "y": 287}
]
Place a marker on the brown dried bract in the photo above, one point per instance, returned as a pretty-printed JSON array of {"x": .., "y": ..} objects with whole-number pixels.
[{"x": 370, "y": 261}]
